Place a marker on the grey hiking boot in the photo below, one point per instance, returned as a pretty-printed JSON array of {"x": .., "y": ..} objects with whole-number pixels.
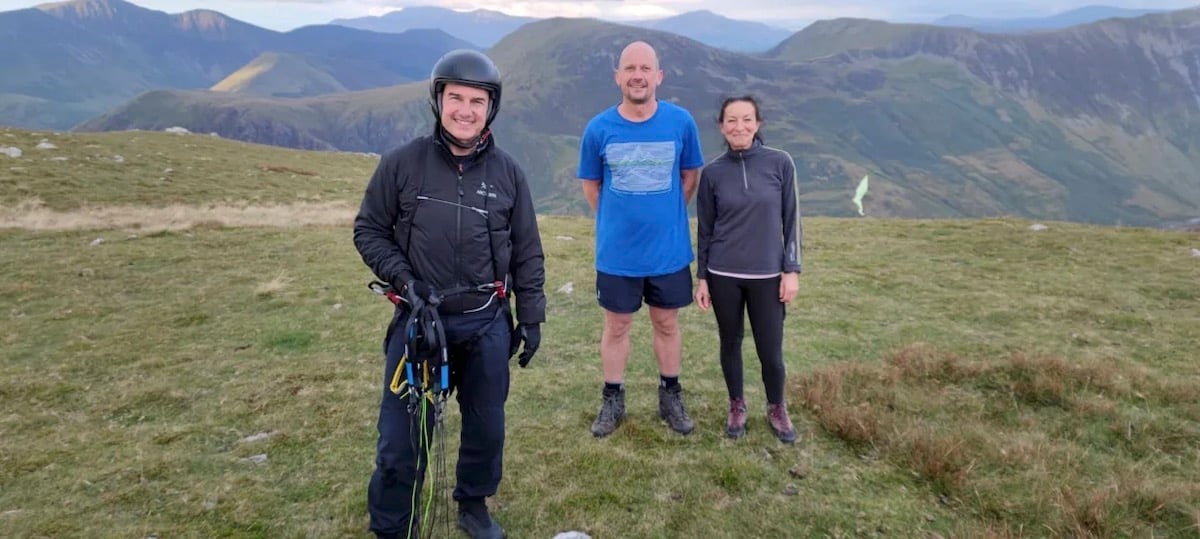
[
  {"x": 612, "y": 411},
  {"x": 781, "y": 424},
  {"x": 735, "y": 426},
  {"x": 474, "y": 519},
  {"x": 670, "y": 408}
]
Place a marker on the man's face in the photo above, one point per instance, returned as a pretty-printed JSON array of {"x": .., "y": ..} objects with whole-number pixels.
[
  {"x": 464, "y": 110},
  {"x": 638, "y": 75}
]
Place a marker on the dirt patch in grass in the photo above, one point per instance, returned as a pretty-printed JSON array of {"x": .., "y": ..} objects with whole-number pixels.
[{"x": 177, "y": 217}]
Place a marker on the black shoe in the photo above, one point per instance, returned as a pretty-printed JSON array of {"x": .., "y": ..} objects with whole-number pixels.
[
  {"x": 414, "y": 532},
  {"x": 671, "y": 409},
  {"x": 414, "y": 535},
  {"x": 479, "y": 524},
  {"x": 612, "y": 411}
]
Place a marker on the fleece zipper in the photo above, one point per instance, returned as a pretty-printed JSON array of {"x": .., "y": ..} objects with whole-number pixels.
[{"x": 745, "y": 180}]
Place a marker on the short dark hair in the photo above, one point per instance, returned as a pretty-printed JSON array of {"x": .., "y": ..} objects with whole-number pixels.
[{"x": 741, "y": 98}]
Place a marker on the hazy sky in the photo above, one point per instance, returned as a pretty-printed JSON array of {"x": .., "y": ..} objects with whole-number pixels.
[{"x": 288, "y": 14}]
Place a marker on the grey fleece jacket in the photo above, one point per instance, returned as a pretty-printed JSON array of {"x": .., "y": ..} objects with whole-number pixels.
[{"x": 748, "y": 217}]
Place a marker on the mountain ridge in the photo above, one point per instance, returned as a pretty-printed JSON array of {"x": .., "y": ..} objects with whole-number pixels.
[
  {"x": 106, "y": 52},
  {"x": 947, "y": 122},
  {"x": 487, "y": 28}
]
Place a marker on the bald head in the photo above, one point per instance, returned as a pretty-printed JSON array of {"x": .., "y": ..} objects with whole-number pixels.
[
  {"x": 638, "y": 74},
  {"x": 639, "y": 51}
]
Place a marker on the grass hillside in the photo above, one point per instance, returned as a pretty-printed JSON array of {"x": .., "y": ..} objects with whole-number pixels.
[
  {"x": 281, "y": 75},
  {"x": 954, "y": 378},
  {"x": 142, "y": 169},
  {"x": 828, "y": 37}
]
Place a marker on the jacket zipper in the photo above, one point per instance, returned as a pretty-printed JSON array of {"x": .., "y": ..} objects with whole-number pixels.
[{"x": 458, "y": 230}]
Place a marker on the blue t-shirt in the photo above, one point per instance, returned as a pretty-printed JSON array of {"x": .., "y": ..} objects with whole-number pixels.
[{"x": 641, "y": 221}]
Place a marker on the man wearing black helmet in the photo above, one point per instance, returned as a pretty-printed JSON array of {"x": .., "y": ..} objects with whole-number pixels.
[{"x": 448, "y": 220}]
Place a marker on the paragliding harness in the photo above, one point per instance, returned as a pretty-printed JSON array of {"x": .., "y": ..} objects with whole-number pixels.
[{"x": 423, "y": 375}]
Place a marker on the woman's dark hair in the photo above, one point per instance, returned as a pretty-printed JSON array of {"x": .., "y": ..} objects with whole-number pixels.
[{"x": 745, "y": 98}]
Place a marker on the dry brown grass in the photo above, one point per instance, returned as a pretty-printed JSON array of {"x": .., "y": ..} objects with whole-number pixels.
[
  {"x": 273, "y": 287},
  {"x": 1082, "y": 449}
]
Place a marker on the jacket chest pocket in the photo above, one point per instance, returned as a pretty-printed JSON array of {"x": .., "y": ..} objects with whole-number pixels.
[{"x": 496, "y": 202}]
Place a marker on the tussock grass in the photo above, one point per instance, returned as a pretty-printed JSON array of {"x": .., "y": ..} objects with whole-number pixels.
[
  {"x": 1033, "y": 444},
  {"x": 274, "y": 286}
]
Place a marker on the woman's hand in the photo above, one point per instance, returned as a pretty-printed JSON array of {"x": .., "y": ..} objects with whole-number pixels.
[
  {"x": 789, "y": 284},
  {"x": 702, "y": 298}
]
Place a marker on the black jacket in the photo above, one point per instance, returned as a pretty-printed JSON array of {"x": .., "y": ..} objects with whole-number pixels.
[
  {"x": 748, "y": 221},
  {"x": 453, "y": 222}
]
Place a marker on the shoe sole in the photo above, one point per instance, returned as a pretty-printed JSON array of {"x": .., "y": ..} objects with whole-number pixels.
[
  {"x": 685, "y": 432},
  {"x": 784, "y": 439},
  {"x": 603, "y": 434}
]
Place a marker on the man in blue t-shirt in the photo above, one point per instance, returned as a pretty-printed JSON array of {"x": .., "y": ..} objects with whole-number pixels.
[{"x": 639, "y": 164}]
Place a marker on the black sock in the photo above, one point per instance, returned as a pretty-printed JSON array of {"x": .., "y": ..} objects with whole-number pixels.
[
  {"x": 476, "y": 508},
  {"x": 669, "y": 382},
  {"x": 612, "y": 389}
]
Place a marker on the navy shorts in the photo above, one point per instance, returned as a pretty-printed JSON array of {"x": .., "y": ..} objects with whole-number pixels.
[{"x": 624, "y": 294}]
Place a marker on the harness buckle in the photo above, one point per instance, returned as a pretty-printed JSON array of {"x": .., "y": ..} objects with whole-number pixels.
[
  {"x": 383, "y": 289},
  {"x": 497, "y": 287}
]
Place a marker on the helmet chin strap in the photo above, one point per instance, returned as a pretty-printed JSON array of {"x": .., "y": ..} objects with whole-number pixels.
[{"x": 446, "y": 136}]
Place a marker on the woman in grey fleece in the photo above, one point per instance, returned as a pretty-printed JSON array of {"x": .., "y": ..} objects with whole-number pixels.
[{"x": 748, "y": 243}]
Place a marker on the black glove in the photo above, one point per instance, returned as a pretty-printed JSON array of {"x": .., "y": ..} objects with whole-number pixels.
[
  {"x": 532, "y": 335},
  {"x": 417, "y": 292}
]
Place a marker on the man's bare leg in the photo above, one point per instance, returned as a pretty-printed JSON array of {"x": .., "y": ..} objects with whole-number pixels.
[
  {"x": 668, "y": 348},
  {"x": 614, "y": 345},
  {"x": 668, "y": 340},
  {"x": 614, "y": 354}
]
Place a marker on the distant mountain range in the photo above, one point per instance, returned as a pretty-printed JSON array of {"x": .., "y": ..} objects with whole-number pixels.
[
  {"x": 482, "y": 27},
  {"x": 1096, "y": 123},
  {"x": 1073, "y": 17},
  {"x": 64, "y": 63},
  {"x": 485, "y": 28}
]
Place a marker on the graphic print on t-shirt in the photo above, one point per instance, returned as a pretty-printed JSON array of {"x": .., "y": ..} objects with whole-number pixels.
[{"x": 641, "y": 168}]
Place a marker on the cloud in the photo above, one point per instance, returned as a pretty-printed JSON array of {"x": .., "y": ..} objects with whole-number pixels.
[
  {"x": 752, "y": 9},
  {"x": 287, "y": 14}
]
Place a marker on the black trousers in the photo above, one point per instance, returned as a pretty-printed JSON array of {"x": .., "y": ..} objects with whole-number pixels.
[
  {"x": 732, "y": 298},
  {"x": 479, "y": 373}
]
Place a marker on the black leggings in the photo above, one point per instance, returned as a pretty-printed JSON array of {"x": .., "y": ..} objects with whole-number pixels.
[{"x": 731, "y": 298}]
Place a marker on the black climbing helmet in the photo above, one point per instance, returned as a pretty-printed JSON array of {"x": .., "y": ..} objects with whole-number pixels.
[{"x": 469, "y": 67}]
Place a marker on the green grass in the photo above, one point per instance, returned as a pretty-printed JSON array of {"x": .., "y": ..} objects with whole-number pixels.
[
  {"x": 963, "y": 378},
  {"x": 154, "y": 169},
  {"x": 131, "y": 370}
]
